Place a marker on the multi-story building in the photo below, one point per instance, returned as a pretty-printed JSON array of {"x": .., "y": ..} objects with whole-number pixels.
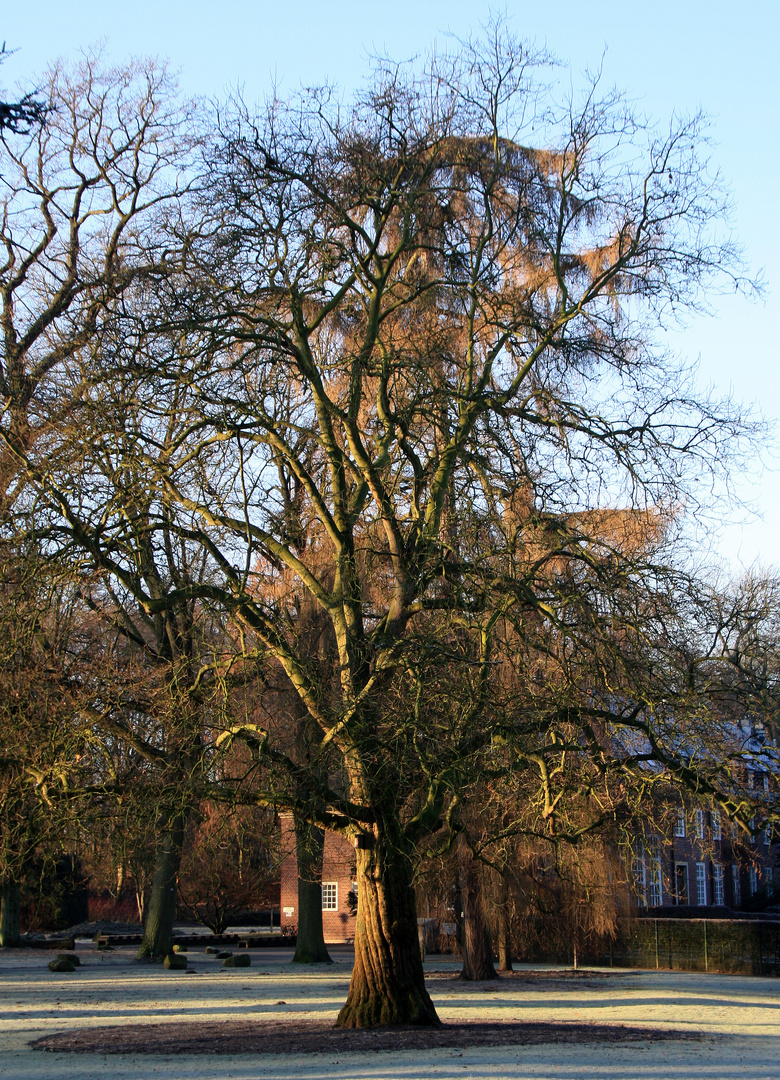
[{"x": 705, "y": 860}]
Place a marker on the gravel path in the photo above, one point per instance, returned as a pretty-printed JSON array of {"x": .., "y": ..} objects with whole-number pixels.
[{"x": 732, "y": 1022}]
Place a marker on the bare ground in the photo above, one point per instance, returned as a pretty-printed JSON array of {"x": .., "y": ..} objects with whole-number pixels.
[
  {"x": 292, "y": 1036},
  {"x": 316, "y": 1037}
]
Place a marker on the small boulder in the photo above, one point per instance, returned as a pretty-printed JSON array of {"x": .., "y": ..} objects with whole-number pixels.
[
  {"x": 213, "y": 950},
  {"x": 73, "y": 957},
  {"x": 179, "y": 948},
  {"x": 61, "y": 965},
  {"x": 244, "y": 960},
  {"x": 223, "y": 954},
  {"x": 175, "y": 963}
]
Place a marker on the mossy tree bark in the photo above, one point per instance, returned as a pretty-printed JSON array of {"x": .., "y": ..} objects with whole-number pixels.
[
  {"x": 388, "y": 983},
  {"x": 310, "y": 947},
  {"x": 477, "y": 949},
  {"x": 158, "y": 931},
  {"x": 9, "y": 914}
]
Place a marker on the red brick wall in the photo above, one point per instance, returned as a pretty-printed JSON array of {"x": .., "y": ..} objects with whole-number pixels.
[{"x": 338, "y": 864}]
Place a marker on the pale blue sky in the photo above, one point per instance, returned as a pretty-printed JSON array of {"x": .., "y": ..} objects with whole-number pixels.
[{"x": 666, "y": 55}]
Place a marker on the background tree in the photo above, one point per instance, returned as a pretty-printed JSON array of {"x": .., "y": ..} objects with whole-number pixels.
[
  {"x": 78, "y": 196},
  {"x": 158, "y": 690},
  {"x": 81, "y": 203},
  {"x": 120, "y": 849},
  {"x": 477, "y": 944},
  {"x": 282, "y": 708},
  {"x": 228, "y": 865},
  {"x": 43, "y": 655}
]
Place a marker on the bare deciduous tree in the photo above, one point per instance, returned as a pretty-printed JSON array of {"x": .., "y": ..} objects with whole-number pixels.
[
  {"x": 79, "y": 196},
  {"x": 463, "y": 323}
]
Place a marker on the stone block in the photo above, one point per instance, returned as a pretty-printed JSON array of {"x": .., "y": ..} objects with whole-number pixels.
[
  {"x": 242, "y": 961},
  {"x": 175, "y": 963},
  {"x": 61, "y": 965}
]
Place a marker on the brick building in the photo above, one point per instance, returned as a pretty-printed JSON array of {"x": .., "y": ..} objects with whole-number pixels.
[
  {"x": 706, "y": 862},
  {"x": 703, "y": 860},
  {"x": 338, "y": 881}
]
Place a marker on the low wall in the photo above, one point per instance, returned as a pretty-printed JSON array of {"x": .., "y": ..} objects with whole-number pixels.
[{"x": 738, "y": 946}]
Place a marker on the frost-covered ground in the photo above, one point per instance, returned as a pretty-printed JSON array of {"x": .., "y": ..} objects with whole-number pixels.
[{"x": 738, "y": 1016}]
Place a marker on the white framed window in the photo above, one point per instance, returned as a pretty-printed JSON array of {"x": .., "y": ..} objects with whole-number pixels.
[
  {"x": 752, "y": 824},
  {"x": 769, "y": 880},
  {"x": 701, "y": 884},
  {"x": 698, "y": 824},
  {"x": 640, "y": 875},
  {"x": 736, "y": 886},
  {"x": 717, "y": 885},
  {"x": 767, "y": 835},
  {"x": 679, "y": 828},
  {"x": 330, "y": 896},
  {"x": 753, "y": 881},
  {"x": 715, "y": 821},
  {"x": 681, "y": 891},
  {"x": 655, "y": 892}
]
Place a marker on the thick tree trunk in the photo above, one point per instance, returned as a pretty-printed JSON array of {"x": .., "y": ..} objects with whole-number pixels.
[
  {"x": 158, "y": 931},
  {"x": 310, "y": 947},
  {"x": 9, "y": 914},
  {"x": 477, "y": 949},
  {"x": 388, "y": 984}
]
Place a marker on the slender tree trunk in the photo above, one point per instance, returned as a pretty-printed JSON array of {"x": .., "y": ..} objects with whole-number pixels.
[
  {"x": 310, "y": 947},
  {"x": 9, "y": 914},
  {"x": 388, "y": 984},
  {"x": 158, "y": 931},
  {"x": 504, "y": 950},
  {"x": 504, "y": 935},
  {"x": 477, "y": 949},
  {"x": 140, "y": 903}
]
